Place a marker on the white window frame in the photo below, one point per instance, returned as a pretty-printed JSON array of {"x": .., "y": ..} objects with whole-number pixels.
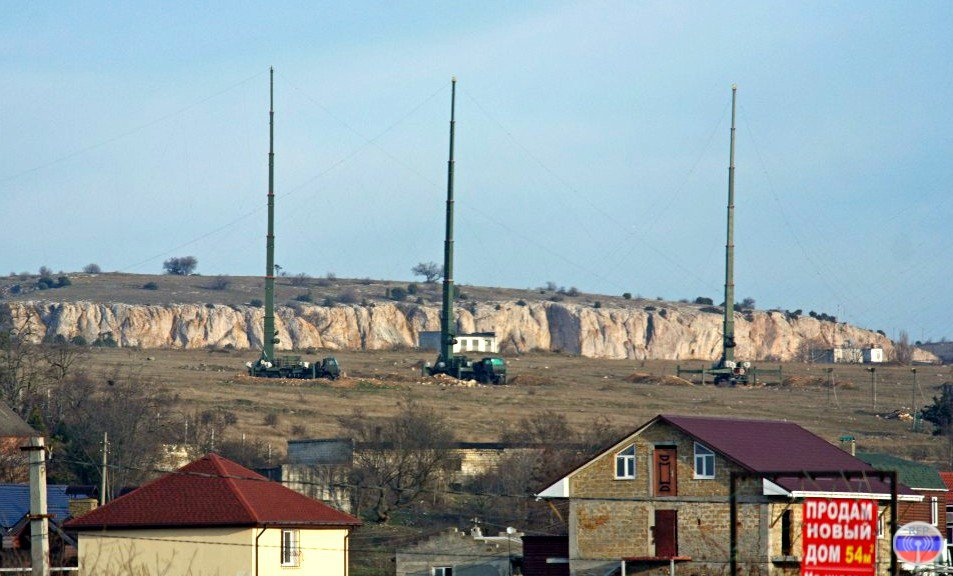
[
  {"x": 293, "y": 550},
  {"x": 441, "y": 571},
  {"x": 709, "y": 455},
  {"x": 628, "y": 461},
  {"x": 934, "y": 510}
]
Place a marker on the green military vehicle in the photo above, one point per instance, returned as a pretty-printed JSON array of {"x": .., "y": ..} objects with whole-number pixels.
[
  {"x": 291, "y": 366},
  {"x": 489, "y": 370}
]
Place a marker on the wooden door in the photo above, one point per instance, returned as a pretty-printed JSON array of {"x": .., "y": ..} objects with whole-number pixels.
[
  {"x": 666, "y": 533},
  {"x": 666, "y": 477}
]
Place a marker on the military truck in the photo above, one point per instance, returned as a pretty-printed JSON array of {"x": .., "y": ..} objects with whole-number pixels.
[
  {"x": 489, "y": 370},
  {"x": 292, "y": 366}
]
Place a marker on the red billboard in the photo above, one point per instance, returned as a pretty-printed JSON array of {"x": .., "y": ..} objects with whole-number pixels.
[{"x": 839, "y": 537}]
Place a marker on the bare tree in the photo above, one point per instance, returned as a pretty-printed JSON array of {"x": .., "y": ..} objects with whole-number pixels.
[
  {"x": 542, "y": 448},
  {"x": 220, "y": 282},
  {"x": 25, "y": 371},
  {"x": 14, "y": 465},
  {"x": 431, "y": 271},
  {"x": 810, "y": 351},
  {"x": 300, "y": 279},
  {"x": 63, "y": 357},
  {"x": 399, "y": 457},
  {"x": 903, "y": 350},
  {"x": 561, "y": 447},
  {"x": 133, "y": 410}
]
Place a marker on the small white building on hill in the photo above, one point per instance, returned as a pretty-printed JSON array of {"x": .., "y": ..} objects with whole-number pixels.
[{"x": 476, "y": 342}]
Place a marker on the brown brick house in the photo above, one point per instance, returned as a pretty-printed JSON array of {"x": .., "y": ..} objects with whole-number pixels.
[{"x": 658, "y": 497}]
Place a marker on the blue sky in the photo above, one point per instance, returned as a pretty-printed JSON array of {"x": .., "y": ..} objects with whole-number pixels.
[{"x": 592, "y": 144}]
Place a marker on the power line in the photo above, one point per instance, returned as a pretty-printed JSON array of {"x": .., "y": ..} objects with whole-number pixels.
[
  {"x": 344, "y": 159},
  {"x": 634, "y": 232},
  {"x": 784, "y": 215},
  {"x": 475, "y": 493},
  {"x": 364, "y": 550},
  {"x": 129, "y": 132},
  {"x": 436, "y": 185},
  {"x": 654, "y": 212}
]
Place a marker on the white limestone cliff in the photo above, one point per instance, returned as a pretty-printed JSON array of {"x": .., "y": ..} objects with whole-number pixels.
[{"x": 681, "y": 332}]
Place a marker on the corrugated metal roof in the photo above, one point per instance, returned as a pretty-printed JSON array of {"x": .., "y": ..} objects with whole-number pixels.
[
  {"x": 323, "y": 451},
  {"x": 779, "y": 446},
  {"x": 767, "y": 445},
  {"x": 913, "y": 474},
  {"x": 15, "y": 503},
  {"x": 212, "y": 491}
]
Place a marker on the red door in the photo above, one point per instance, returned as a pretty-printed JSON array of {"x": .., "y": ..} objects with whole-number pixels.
[
  {"x": 666, "y": 534},
  {"x": 666, "y": 480}
]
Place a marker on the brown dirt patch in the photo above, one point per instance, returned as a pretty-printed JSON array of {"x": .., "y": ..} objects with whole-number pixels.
[
  {"x": 646, "y": 378},
  {"x": 531, "y": 380}
]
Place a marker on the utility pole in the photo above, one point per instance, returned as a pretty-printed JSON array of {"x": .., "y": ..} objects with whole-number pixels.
[
  {"x": 873, "y": 387},
  {"x": 39, "y": 518},
  {"x": 831, "y": 389},
  {"x": 104, "y": 471},
  {"x": 916, "y": 408}
]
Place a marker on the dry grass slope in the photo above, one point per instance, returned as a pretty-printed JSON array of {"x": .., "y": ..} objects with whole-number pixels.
[{"x": 584, "y": 389}]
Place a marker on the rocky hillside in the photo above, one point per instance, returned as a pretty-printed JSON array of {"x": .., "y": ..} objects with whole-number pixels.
[{"x": 660, "y": 331}]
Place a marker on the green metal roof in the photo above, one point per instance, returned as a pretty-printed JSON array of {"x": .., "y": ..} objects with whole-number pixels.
[{"x": 913, "y": 474}]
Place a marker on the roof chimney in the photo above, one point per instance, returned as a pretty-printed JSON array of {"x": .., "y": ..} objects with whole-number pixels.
[
  {"x": 80, "y": 506},
  {"x": 851, "y": 444}
]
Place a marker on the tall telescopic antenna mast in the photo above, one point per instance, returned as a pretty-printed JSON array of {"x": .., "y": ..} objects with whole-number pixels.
[
  {"x": 268, "y": 336},
  {"x": 729, "y": 328},
  {"x": 446, "y": 317}
]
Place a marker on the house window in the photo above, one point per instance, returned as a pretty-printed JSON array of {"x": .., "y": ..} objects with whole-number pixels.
[
  {"x": 786, "y": 533},
  {"x": 441, "y": 571},
  {"x": 704, "y": 462},
  {"x": 934, "y": 510},
  {"x": 290, "y": 548},
  {"x": 625, "y": 464}
]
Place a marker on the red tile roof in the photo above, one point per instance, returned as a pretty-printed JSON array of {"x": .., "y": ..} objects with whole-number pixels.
[{"x": 212, "y": 491}]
